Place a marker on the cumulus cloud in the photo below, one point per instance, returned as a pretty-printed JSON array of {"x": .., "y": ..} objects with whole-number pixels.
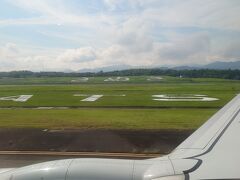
[
  {"x": 132, "y": 32},
  {"x": 78, "y": 55},
  {"x": 187, "y": 49},
  {"x": 8, "y": 54},
  {"x": 134, "y": 35},
  {"x": 9, "y": 50}
]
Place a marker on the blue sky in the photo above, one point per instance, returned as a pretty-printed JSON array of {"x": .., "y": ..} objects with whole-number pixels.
[{"x": 45, "y": 35}]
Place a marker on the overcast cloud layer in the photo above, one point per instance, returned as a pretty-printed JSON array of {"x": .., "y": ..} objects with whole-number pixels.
[{"x": 45, "y": 35}]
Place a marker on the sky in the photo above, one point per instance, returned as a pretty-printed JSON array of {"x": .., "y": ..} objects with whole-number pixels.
[{"x": 63, "y": 35}]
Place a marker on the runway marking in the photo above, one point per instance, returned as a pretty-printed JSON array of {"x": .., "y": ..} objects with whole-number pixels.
[
  {"x": 95, "y": 97},
  {"x": 92, "y": 98},
  {"x": 20, "y": 98},
  {"x": 154, "y": 78},
  {"x": 197, "y": 97},
  {"x": 83, "y": 79},
  {"x": 117, "y": 79}
]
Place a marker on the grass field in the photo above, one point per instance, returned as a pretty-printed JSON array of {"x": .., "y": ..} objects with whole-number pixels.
[
  {"x": 105, "y": 119},
  {"x": 132, "y": 111},
  {"x": 100, "y": 80}
]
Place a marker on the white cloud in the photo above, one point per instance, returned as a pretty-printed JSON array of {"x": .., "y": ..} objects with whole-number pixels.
[
  {"x": 28, "y": 21},
  {"x": 112, "y": 4},
  {"x": 186, "y": 49},
  {"x": 13, "y": 57},
  {"x": 128, "y": 32},
  {"x": 194, "y": 13},
  {"x": 78, "y": 55},
  {"x": 174, "y": 13},
  {"x": 8, "y": 51},
  {"x": 48, "y": 12}
]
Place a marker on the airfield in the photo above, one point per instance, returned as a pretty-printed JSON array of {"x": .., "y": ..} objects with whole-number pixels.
[{"x": 134, "y": 114}]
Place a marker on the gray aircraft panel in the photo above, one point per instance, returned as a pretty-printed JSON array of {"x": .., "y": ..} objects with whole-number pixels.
[
  {"x": 214, "y": 148},
  {"x": 100, "y": 169},
  {"x": 209, "y": 130},
  {"x": 223, "y": 160}
]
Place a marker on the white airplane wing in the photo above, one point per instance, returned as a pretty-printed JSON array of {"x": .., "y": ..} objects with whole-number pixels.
[
  {"x": 5, "y": 170},
  {"x": 212, "y": 152},
  {"x": 214, "y": 149}
]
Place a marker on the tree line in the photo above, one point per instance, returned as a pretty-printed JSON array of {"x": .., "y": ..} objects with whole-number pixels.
[{"x": 200, "y": 73}]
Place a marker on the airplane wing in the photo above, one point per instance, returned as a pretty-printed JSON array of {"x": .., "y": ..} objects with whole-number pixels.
[
  {"x": 214, "y": 149},
  {"x": 5, "y": 170},
  {"x": 211, "y": 152}
]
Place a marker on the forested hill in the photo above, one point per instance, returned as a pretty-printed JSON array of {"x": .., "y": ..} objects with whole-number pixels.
[{"x": 201, "y": 73}]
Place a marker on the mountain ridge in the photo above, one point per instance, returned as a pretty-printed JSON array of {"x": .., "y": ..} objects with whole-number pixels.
[{"x": 217, "y": 65}]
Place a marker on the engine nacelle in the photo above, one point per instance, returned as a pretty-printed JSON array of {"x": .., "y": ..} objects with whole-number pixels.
[
  {"x": 102, "y": 169},
  {"x": 54, "y": 170},
  {"x": 77, "y": 169}
]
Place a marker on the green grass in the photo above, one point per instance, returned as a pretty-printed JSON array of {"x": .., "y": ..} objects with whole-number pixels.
[
  {"x": 136, "y": 94},
  {"x": 100, "y": 80},
  {"x": 180, "y": 115},
  {"x": 105, "y": 118}
]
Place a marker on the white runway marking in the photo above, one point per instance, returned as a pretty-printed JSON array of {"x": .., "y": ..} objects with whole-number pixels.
[
  {"x": 197, "y": 97},
  {"x": 154, "y": 78},
  {"x": 95, "y": 97},
  {"x": 92, "y": 98},
  {"x": 82, "y": 95},
  {"x": 83, "y": 79},
  {"x": 20, "y": 98},
  {"x": 117, "y": 79}
]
